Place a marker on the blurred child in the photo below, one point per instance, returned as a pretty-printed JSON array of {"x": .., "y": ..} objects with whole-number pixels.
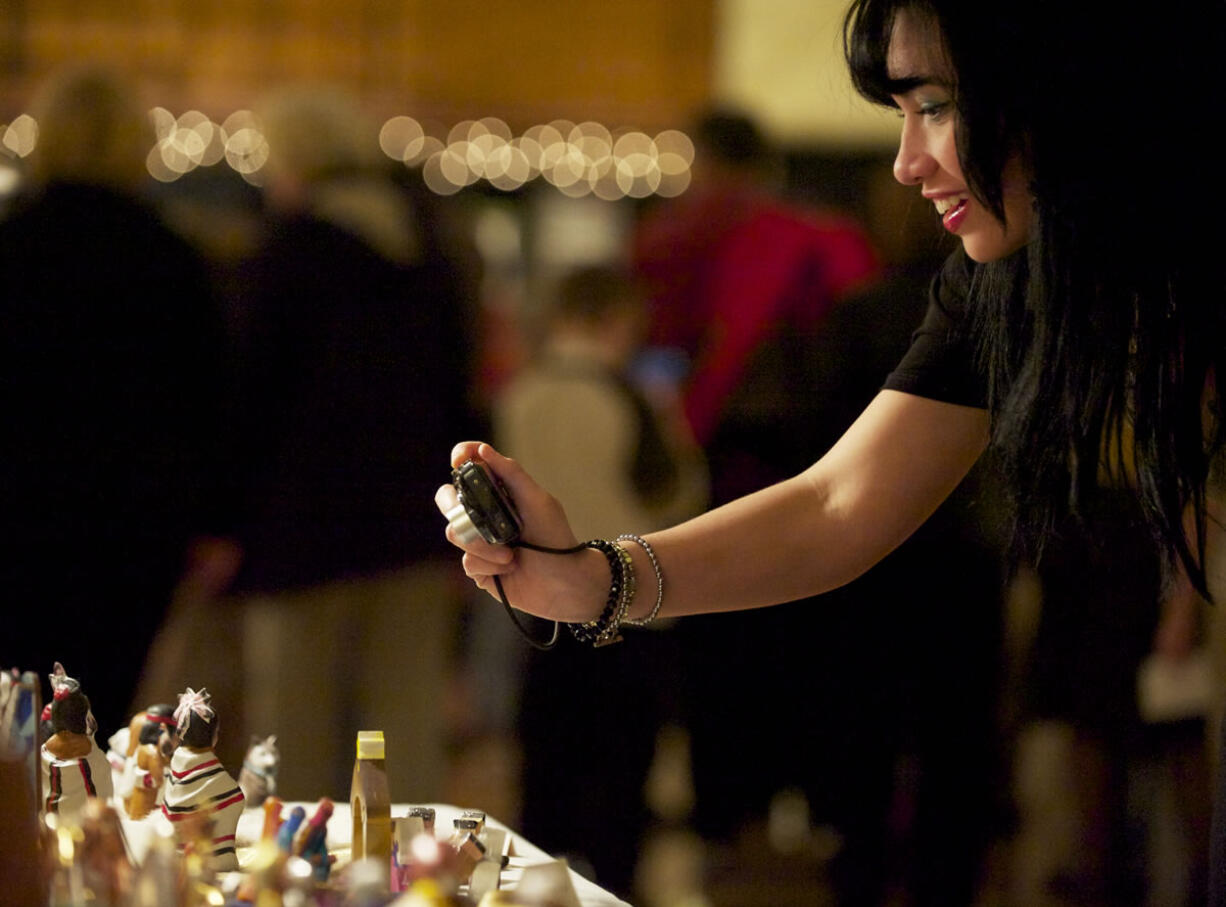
[{"x": 574, "y": 418}]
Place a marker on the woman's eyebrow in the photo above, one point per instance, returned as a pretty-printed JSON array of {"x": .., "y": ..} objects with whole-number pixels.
[{"x": 901, "y": 85}]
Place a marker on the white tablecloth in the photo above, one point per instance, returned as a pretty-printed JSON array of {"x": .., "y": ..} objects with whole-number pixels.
[{"x": 340, "y": 830}]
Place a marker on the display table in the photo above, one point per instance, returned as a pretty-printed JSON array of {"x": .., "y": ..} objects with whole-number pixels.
[{"x": 523, "y": 853}]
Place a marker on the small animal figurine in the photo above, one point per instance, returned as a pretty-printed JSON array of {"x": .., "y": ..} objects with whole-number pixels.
[
  {"x": 74, "y": 767},
  {"x": 198, "y": 785},
  {"x": 154, "y": 746},
  {"x": 258, "y": 779}
]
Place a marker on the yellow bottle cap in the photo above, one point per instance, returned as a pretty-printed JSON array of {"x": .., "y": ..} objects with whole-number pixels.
[{"x": 370, "y": 744}]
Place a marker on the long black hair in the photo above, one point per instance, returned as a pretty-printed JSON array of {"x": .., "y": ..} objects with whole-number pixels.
[{"x": 1103, "y": 342}]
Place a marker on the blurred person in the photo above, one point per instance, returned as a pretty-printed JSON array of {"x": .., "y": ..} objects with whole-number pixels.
[
  {"x": 629, "y": 464},
  {"x": 1105, "y": 608},
  {"x": 113, "y": 377},
  {"x": 741, "y": 282},
  {"x": 631, "y": 459},
  {"x": 354, "y": 363}
]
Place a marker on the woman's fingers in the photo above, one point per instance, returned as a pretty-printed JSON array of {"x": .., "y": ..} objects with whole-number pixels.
[
  {"x": 445, "y": 498},
  {"x": 513, "y": 476},
  {"x": 464, "y": 451},
  {"x": 498, "y": 556},
  {"x": 478, "y": 565}
]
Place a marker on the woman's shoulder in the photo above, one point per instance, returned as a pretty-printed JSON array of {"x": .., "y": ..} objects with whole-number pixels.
[{"x": 941, "y": 362}]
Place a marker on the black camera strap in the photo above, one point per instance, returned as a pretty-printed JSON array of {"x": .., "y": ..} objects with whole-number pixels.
[{"x": 553, "y": 639}]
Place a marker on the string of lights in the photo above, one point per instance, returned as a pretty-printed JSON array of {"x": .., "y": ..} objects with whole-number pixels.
[{"x": 578, "y": 159}]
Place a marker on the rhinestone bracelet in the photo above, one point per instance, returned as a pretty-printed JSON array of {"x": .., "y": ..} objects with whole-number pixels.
[{"x": 655, "y": 565}]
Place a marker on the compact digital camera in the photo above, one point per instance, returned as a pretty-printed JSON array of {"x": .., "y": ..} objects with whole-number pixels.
[{"x": 484, "y": 509}]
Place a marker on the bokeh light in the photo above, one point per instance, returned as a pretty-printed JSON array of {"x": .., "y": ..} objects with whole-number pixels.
[
  {"x": 402, "y": 138},
  {"x": 247, "y": 152},
  {"x": 20, "y": 136},
  {"x": 577, "y": 159},
  {"x": 432, "y": 175}
]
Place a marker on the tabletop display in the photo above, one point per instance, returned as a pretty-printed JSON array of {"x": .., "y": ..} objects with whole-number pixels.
[{"x": 156, "y": 819}]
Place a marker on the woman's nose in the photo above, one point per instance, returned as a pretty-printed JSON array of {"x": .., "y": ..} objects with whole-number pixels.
[{"x": 913, "y": 161}]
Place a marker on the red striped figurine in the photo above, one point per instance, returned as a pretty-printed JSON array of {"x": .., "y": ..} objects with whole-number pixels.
[{"x": 198, "y": 784}]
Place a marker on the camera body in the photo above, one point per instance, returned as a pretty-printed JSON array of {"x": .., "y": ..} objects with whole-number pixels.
[{"x": 484, "y": 509}]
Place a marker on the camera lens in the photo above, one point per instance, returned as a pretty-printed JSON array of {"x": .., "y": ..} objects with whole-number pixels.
[{"x": 462, "y": 525}]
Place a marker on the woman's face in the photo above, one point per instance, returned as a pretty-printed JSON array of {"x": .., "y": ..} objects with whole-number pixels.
[{"x": 928, "y": 153}]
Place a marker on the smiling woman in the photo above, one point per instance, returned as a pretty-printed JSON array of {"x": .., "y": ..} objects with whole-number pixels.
[
  {"x": 1100, "y": 322},
  {"x": 1079, "y": 329},
  {"x": 922, "y": 82},
  {"x": 1095, "y": 321}
]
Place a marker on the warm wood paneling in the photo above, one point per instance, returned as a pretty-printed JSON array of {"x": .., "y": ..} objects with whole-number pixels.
[{"x": 641, "y": 62}]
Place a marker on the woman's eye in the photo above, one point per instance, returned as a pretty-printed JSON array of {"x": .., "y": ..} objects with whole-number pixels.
[{"x": 935, "y": 109}]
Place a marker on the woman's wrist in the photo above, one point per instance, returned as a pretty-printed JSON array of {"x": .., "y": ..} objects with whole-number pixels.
[{"x": 596, "y": 580}]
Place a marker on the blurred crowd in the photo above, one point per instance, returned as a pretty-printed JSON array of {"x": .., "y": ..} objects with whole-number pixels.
[{"x": 227, "y": 410}]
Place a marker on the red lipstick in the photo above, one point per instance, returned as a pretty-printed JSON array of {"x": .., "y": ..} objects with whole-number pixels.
[{"x": 953, "y": 218}]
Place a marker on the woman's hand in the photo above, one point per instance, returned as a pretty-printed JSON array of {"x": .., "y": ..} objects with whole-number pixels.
[{"x": 570, "y": 587}]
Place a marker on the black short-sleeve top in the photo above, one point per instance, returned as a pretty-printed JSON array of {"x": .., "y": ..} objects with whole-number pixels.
[{"x": 941, "y": 363}]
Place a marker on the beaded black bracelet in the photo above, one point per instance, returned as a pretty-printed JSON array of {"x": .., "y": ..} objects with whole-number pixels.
[{"x": 604, "y": 630}]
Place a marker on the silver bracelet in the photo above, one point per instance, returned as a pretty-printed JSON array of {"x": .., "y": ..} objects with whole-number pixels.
[{"x": 655, "y": 565}]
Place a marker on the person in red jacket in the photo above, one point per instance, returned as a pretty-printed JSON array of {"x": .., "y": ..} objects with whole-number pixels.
[{"x": 739, "y": 278}]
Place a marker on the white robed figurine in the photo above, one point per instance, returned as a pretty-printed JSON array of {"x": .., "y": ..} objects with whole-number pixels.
[
  {"x": 74, "y": 767},
  {"x": 198, "y": 784}
]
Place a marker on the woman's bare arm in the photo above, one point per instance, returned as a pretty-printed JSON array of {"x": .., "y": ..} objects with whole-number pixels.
[{"x": 806, "y": 535}]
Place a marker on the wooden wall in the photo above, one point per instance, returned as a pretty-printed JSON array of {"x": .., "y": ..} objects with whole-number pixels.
[{"x": 643, "y": 63}]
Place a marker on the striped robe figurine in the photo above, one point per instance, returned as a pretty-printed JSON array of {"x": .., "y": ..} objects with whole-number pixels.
[{"x": 198, "y": 783}]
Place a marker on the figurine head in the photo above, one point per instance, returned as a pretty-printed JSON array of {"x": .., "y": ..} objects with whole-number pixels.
[
  {"x": 168, "y": 740},
  {"x": 155, "y": 722},
  {"x": 70, "y": 712},
  {"x": 69, "y": 708},
  {"x": 196, "y": 720}
]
